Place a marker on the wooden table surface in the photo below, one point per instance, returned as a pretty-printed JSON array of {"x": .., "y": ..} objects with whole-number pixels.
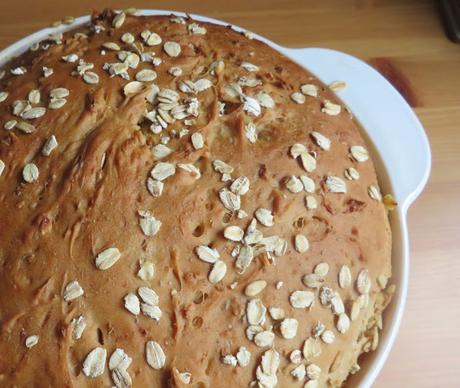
[{"x": 404, "y": 40}]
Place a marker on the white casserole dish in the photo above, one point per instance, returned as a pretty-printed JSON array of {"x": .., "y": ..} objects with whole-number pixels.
[{"x": 401, "y": 153}]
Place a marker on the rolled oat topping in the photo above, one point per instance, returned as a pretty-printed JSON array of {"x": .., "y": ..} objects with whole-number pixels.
[
  {"x": 155, "y": 355},
  {"x": 30, "y": 173},
  {"x": 309, "y": 90},
  {"x": 107, "y": 258},
  {"x": 190, "y": 182},
  {"x": 31, "y": 341},
  {"x": 94, "y": 363}
]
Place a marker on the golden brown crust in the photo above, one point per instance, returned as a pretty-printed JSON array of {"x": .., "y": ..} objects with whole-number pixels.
[{"x": 92, "y": 185}]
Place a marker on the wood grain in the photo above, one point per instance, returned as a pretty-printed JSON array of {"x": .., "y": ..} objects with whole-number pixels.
[{"x": 406, "y": 41}]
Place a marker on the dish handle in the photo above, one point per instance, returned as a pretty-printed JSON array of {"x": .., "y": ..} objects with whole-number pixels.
[{"x": 388, "y": 120}]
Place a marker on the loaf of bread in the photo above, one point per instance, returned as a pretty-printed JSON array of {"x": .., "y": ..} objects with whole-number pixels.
[{"x": 181, "y": 205}]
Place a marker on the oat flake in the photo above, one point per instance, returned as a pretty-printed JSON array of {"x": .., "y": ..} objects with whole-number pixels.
[
  {"x": 196, "y": 29},
  {"x": 254, "y": 288},
  {"x": 118, "y": 20},
  {"x": 344, "y": 277},
  {"x": 3, "y": 96},
  {"x": 121, "y": 378},
  {"x": 240, "y": 186},
  {"x": 107, "y": 258},
  {"x": 309, "y": 90},
  {"x": 299, "y": 372},
  {"x": 374, "y": 193},
  {"x": 57, "y": 103},
  {"x": 207, "y": 254},
  {"x": 308, "y": 184},
  {"x": 190, "y": 168},
  {"x": 94, "y": 363},
  {"x": 297, "y": 149},
  {"x": 30, "y": 173},
  {"x": 90, "y": 78},
  {"x": 197, "y": 140},
  {"x": 301, "y": 299},
  {"x": 173, "y": 49},
  {"x": 308, "y": 162},
  {"x": 10, "y": 124},
  {"x": 154, "y": 187},
  {"x": 265, "y": 100},
  {"x": 233, "y": 233},
  {"x": 133, "y": 87},
  {"x": 243, "y": 356},
  {"x": 255, "y": 312},
  {"x": 313, "y": 372},
  {"x": 264, "y": 338},
  {"x": 230, "y": 200},
  {"x": 294, "y": 184},
  {"x": 184, "y": 377},
  {"x": 311, "y": 348},
  {"x": 337, "y": 86},
  {"x": 148, "y": 296},
  {"x": 288, "y": 328},
  {"x": 132, "y": 304},
  {"x": 50, "y": 144},
  {"x": 330, "y": 108},
  {"x": 301, "y": 243},
  {"x": 359, "y": 153},
  {"x": 72, "y": 291},
  {"x": 79, "y": 326},
  {"x": 31, "y": 341},
  {"x": 34, "y": 96},
  {"x": 119, "y": 360},
  {"x": 277, "y": 313},
  {"x": 222, "y": 167},
  {"x": 149, "y": 225},
  {"x": 146, "y": 270},
  {"x": 343, "y": 323},
  {"x": 311, "y": 202},
  {"x": 363, "y": 282},
  {"x": 218, "y": 271},
  {"x": 335, "y": 184},
  {"x": 155, "y": 355},
  {"x": 322, "y": 141},
  {"x": 251, "y": 105},
  {"x": 153, "y": 312},
  {"x": 264, "y": 216},
  {"x": 321, "y": 269},
  {"x": 162, "y": 170},
  {"x": 59, "y": 93},
  {"x": 328, "y": 336},
  {"x": 230, "y": 359},
  {"x": 313, "y": 280},
  {"x": 298, "y": 98},
  {"x": 351, "y": 174}
]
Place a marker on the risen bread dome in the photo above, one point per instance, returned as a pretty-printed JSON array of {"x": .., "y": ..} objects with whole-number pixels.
[{"x": 181, "y": 205}]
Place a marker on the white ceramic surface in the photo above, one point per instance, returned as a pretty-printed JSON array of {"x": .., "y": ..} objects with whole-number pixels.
[{"x": 401, "y": 152}]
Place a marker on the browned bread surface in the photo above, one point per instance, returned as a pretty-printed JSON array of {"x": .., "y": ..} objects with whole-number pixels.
[{"x": 130, "y": 195}]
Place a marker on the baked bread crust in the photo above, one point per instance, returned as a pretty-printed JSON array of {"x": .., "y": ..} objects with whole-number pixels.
[{"x": 86, "y": 208}]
